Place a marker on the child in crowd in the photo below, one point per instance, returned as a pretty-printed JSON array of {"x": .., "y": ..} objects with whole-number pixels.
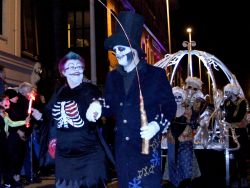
[
  {"x": 4, "y": 100},
  {"x": 5, "y": 123}
]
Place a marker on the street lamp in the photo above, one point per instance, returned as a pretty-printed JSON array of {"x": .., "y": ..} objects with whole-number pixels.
[
  {"x": 189, "y": 30},
  {"x": 189, "y": 44},
  {"x": 169, "y": 34}
]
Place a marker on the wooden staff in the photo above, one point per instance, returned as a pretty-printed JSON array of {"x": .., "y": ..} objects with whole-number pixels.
[{"x": 144, "y": 122}]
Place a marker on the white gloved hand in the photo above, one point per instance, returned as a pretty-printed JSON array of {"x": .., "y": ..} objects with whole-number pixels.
[
  {"x": 149, "y": 131},
  {"x": 94, "y": 111},
  {"x": 36, "y": 114}
]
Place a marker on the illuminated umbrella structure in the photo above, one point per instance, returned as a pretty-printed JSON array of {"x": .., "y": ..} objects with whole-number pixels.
[
  {"x": 211, "y": 67},
  {"x": 209, "y": 61}
]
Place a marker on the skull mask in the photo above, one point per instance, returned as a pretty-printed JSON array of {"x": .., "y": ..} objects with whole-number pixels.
[
  {"x": 124, "y": 55},
  {"x": 178, "y": 98}
]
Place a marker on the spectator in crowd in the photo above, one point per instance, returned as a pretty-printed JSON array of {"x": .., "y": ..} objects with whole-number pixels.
[
  {"x": 4, "y": 104},
  {"x": 30, "y": 168},
  {"x": 8, "y": 125},
  {"x": 18, "y": 138}
]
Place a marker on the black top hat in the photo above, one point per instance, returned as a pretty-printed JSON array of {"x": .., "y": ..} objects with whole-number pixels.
[{"x": 132, "y": 23}]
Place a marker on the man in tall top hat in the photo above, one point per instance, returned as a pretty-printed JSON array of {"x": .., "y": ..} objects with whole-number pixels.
[{"x": 122, "y": 101}]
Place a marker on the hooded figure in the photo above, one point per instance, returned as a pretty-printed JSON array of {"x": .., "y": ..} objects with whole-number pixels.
[
  {"x": 235, "y": 110},
  {"x": 36, "y": 74},
  {"x": 122, "y": 101}
]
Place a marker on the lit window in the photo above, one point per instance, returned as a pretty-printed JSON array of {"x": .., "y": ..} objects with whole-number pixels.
[
  {"x": 78, "y": 29},
  {"x": 1, "y": 17}
]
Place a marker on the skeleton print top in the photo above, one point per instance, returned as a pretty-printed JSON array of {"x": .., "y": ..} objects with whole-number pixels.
[
  {"x": 79, "y": 150},
  {"x": 74, "y": 131}
]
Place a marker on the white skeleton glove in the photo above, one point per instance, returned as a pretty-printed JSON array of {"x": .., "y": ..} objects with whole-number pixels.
[
  {"x": 94, "y": 111},
  {"x": 149, "y": 131},
  {"x": 36, "y": 114}
]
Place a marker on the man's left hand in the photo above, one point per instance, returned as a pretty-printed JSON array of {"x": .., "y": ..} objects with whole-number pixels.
[{"x": 149, "y": 131}]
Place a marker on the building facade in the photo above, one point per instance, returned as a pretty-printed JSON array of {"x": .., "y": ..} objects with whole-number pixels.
[
  {"x": 44, "y": 30},
  {"x": 17, "y": 69}
]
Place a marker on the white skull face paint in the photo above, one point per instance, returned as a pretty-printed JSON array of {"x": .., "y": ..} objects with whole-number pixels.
[
  {"x": 73, "y": 71},
  {"x": 121, "y": 53},
  {"x": 178, "y": 98},
  {"x": 230, "y": 95}
]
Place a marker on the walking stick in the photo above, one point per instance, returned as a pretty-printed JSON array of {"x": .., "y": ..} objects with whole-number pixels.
[{"x": 144, "y": 122}]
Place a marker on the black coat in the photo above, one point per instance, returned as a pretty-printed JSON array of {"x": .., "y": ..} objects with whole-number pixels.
[
  {"x": 80, "y": 150},
  {"x": 134, "y": 168}
]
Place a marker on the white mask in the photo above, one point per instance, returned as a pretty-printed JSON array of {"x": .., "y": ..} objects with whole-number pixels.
[
  {"x": 230, "y": 95},
  {"x": 178, "y": 98},
  {"x": 125, "y": 56},
  {"x": 73, "y": 71}
]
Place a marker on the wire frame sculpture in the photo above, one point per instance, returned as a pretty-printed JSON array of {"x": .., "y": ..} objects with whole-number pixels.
[
  {"x": 210, "y": 66},
  {"x": 217, "y": 137},
  {"x": 209, "y": 61}
]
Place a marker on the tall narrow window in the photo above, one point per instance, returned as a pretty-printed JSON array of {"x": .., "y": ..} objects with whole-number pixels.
[
  {"x": 29, "y": 32},
  {"x": 78, "y": 29},
  {"x": 1, "y": 17}
]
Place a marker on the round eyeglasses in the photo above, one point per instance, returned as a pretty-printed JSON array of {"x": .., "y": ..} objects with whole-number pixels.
[{"x": 79, "y": 68}]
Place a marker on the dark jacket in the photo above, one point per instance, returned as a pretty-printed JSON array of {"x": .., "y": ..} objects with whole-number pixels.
[{"x": 134, "y": 168}]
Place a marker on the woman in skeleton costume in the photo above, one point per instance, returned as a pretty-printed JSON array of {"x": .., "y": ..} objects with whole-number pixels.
[
  {"x": 80, "y": 155},
  {"x": 195, "y": 100},
  {"x": 180, "y": 143}
]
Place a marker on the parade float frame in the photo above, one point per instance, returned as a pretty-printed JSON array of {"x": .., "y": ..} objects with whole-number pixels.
[{"x": 171, "y": 63}]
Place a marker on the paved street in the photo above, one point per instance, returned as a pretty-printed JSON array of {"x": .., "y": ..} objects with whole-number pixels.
[
  {"x": 211, "y": 163},
  {"x": 48, "y": 182}
]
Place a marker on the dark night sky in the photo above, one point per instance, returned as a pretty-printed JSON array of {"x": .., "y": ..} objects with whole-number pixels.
[{"x": 220, "y": 27}]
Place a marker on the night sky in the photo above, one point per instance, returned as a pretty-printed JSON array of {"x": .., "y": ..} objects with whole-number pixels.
[{"x": 219, "y": 27}]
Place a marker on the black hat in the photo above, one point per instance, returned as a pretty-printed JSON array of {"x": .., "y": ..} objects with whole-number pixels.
[
  {"x": 132, "y": 23},
  {"x": 11, "y": 93}
]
